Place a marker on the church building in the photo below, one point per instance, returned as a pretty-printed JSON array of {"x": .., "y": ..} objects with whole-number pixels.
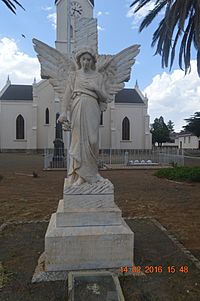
[{"x": 28, "y": 112}]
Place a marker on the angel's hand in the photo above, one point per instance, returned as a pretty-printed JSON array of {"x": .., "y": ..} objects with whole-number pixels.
[
  {"x": 63, "y": 117},
  {"x": 103, "y": 106},
  {"x": 66, "y": 125}
]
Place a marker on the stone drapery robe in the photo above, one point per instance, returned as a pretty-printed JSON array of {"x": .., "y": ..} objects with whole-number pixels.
[{"x": 84, "y": 97}]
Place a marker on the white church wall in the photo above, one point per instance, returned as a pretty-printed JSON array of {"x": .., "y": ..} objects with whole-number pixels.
[
  {"x": 45, "y": 99},
  {"x": 104, "y": 131},
  {"x": 8, "y": 115},
  {"x": 148, "y": 135},
  {"x": 134, "y": 112},
  {"x": 111, "y": 131}
]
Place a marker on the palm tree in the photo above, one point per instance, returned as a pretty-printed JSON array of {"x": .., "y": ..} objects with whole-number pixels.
[
  {"x": 11, "y": 4},
  {"x": 181, "y": 22}
]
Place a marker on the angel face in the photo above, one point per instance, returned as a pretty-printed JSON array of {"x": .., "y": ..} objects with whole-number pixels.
[{"x": 87, "y": 62}]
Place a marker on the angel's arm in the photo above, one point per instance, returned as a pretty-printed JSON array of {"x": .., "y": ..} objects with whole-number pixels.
[
  {"x": 65, "y": 103},
  {"x": 100, "y": 89}
]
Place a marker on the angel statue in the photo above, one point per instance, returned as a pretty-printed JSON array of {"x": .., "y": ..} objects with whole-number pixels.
[{"x": 85, "y": 82}]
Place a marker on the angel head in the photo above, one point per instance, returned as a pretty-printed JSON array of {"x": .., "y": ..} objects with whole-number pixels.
[{"x": 86, "y": 59}]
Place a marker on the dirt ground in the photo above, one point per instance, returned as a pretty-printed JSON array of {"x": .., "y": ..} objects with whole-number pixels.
[{"x": 137, "y": 192}]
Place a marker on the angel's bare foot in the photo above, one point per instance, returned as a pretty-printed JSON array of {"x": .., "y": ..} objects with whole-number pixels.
[
  {"x": 70, "y": 179},
  {"x": 79, "y": 181}
]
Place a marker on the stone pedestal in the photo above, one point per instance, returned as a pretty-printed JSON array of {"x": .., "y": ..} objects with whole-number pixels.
[{"x": 87, "y": 231}]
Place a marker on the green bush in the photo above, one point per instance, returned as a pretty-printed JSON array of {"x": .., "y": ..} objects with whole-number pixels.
[{"x": 189, "y": 174}]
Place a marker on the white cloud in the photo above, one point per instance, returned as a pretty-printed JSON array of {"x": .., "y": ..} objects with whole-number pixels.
[
  {"x": 100, "y": 28},
  {"x": 101, "y": 14},
  {"x": 174, "y": 96},
  {"x": 104, "y": 13},
  {"x": 47, "y": 8},
  {"x": 138, "y": 16},
  {"x": 52, "y": 19},
  {"x": 19, "y": 66}
]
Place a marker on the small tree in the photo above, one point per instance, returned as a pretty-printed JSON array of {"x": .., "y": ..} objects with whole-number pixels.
[
  {"x": 170, "y": 126},
  {"x": 160, "y": 131},
  {"x": 193, "y": 125}
]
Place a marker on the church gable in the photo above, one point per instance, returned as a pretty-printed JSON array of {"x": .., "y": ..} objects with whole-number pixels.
[
  {"x": 128, "y": 96},
  {"x": 18, "y": 93}
]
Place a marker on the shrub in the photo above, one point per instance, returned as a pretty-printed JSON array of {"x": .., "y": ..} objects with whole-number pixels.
[{"x": 189, "y": 174}]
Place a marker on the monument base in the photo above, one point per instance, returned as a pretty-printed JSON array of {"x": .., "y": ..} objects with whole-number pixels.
[{"x": 88, "y": 238}]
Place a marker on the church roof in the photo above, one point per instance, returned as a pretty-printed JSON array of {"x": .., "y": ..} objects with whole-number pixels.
[
  {"x": 25, "y": 93},
  {"x": 18, "y": 93},
  {"x": 91, "y": 1},
  {"x": 128, "y": 96}
]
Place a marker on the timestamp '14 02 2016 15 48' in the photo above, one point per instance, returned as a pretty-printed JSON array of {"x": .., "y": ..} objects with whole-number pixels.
[{"x": 150, "y": 269}]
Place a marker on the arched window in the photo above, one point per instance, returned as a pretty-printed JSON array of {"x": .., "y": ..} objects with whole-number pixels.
[
  {"x": 101, "y": 119},
  {"x": 71, "y": 32},
  {"x": 47, "y": 116},
  {"x": 20, "y": 127},
  {"x": 125, "y": 129}
]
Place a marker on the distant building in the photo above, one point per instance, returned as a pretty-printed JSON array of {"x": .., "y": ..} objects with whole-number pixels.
[{"x": 187, "y": 141}]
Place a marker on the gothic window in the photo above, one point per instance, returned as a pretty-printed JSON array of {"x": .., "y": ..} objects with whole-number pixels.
[
  {"x": 71, "y": 32},
  {"x": 20, "y": 127},
  {"x": 101, "y": 119},
  {"x": 47, "y": 116},
  {"x": 125, "y": 129}
]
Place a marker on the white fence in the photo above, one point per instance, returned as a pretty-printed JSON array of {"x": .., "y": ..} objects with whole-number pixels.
[
  {"x": 155, "y": 156},
  {"x": 141, "y": 156}
]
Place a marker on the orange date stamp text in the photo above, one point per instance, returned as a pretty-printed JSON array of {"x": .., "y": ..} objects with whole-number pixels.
[{"x": 150, "y": 269}]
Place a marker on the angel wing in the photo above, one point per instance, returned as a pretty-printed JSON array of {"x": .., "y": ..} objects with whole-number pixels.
[
  {"x": 55, "y": 66},
  {"x": 116, "y": 69}
]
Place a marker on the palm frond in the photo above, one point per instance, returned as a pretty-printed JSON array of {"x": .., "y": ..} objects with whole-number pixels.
[
  {"x": 152, "y": 14},
  {"x": 182, "y": 53},
  {"x": 183, "y": 13},
  {"x": 197, "y": 25},
  {"x": 198, "y": 62},
  {"x": 141, "y": 3},
  {"x": 187, "y": 55},
  {"x": 180, "y": 22},
  {"x": 11, "y": 5},
  {"x": 178, "y": 34}
]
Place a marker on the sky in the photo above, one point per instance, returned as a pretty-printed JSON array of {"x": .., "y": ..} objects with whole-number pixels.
[{"x": 171, "y": 94}]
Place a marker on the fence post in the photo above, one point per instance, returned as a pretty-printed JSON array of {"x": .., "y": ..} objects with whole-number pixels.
[
  {"x": 45, "y": 159},
  {"x": 126, "y": 158}
]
